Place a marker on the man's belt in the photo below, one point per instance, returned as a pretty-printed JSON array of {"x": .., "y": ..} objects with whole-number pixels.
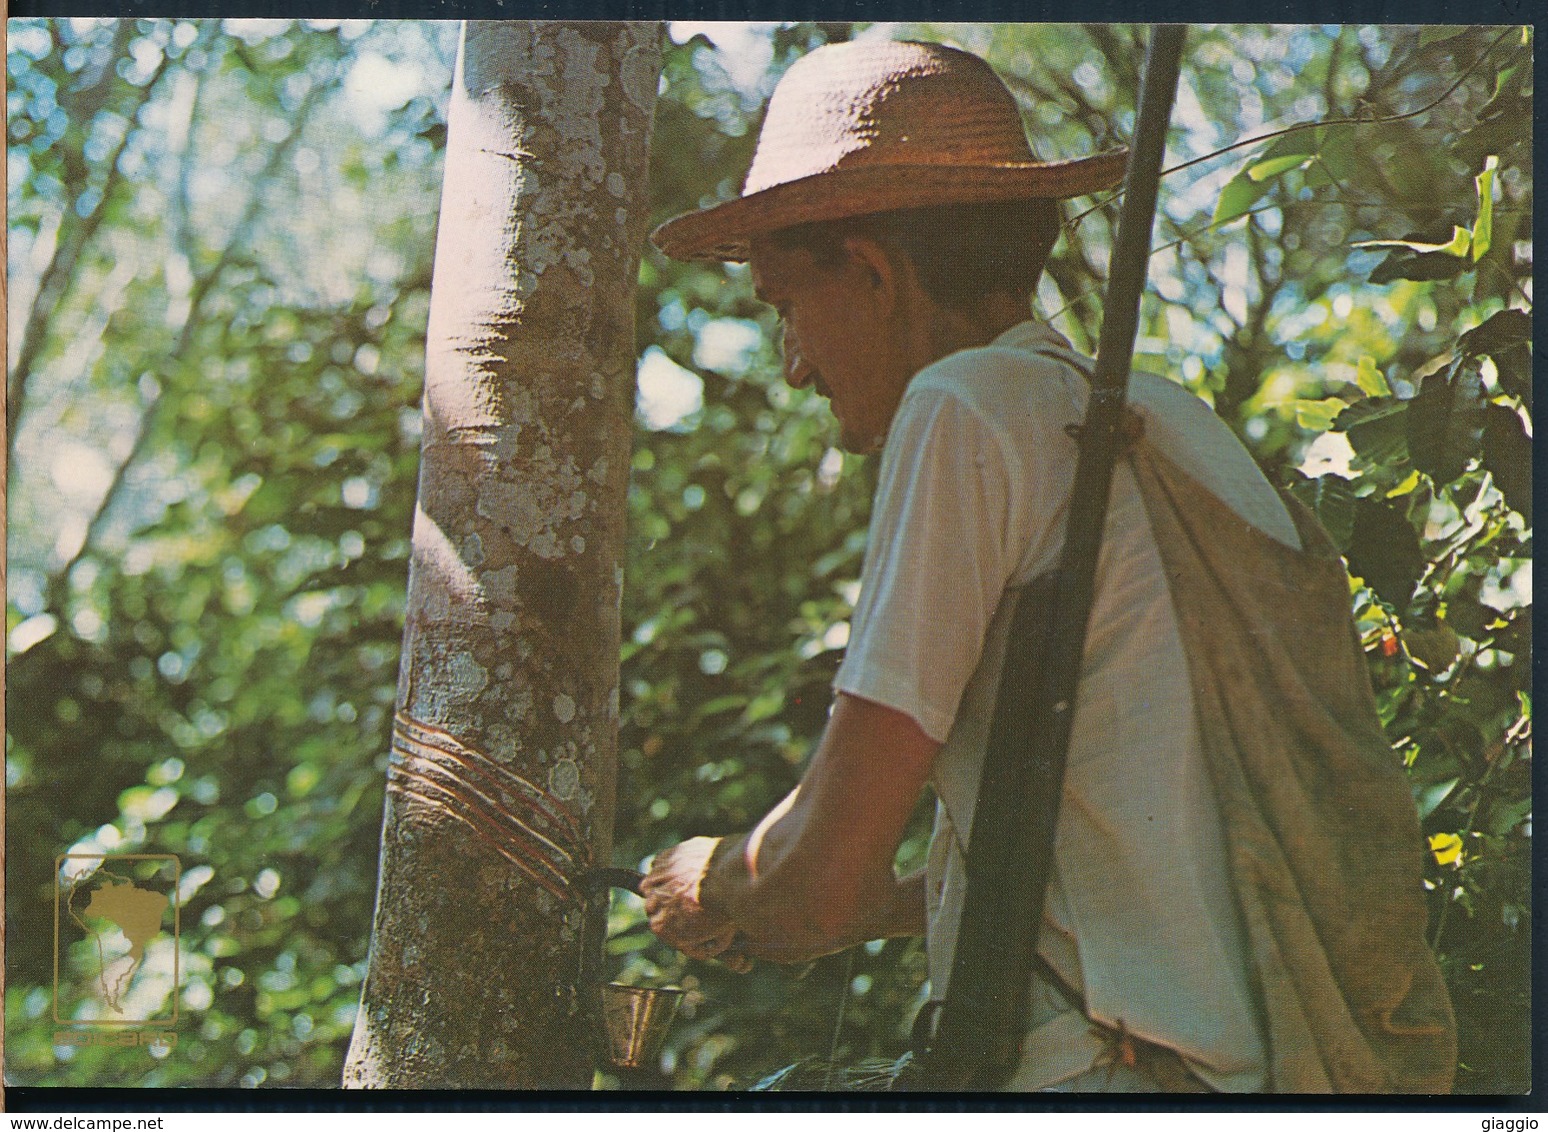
[{"x": 1071, "y": 1044}]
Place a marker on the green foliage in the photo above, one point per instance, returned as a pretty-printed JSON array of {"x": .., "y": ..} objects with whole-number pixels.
[
  {"x": 211, "y": 496},
  {"x": 1433, "y": 501},
  {"x": 213, "y": 477}
]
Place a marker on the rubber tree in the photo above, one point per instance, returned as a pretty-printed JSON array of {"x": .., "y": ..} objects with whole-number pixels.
[{"x": 501, "y": 773}]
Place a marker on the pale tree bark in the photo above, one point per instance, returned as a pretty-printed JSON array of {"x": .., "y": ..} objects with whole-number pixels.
[{"x": 501, "y": 776}]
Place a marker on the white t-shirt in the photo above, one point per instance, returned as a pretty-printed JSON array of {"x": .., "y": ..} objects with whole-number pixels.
[{"x": 972, "y": 500}]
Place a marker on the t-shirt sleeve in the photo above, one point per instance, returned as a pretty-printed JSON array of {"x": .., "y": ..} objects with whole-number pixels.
[{"x": 937, "y": 561}]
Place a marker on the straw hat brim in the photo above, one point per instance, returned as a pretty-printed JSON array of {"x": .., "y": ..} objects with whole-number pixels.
[{"x": 725, "y": 231}]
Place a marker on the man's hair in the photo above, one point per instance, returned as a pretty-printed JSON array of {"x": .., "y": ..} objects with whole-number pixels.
[{"x": 961, "y": 252}]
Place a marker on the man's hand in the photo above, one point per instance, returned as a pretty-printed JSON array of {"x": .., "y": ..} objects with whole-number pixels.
[
  {"x": 671, "y": 892},
  {"x": 815, "y": 875}
]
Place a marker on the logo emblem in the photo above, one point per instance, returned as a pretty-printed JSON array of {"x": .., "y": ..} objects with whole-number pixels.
[{"x": 124, "y": 906}]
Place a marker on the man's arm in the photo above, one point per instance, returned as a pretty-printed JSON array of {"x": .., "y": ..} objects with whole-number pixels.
[{"x": 816, "y": 874}]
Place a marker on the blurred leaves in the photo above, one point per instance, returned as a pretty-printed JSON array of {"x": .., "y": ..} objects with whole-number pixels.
[
  {"x": 207, "y": 666},
  {"x": 229, "y": 584}
]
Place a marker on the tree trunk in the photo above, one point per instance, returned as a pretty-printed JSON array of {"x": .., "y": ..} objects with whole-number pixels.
[{"x": 501, "y": 775}]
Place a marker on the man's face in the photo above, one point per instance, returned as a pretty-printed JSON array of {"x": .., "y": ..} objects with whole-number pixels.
[{"x": 833, "y": 340}]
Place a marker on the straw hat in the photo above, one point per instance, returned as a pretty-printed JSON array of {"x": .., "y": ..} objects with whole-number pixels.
[{"x": 860, "y": 128}]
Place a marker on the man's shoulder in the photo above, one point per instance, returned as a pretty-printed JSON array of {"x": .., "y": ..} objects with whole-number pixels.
[{"x": 1000, "y": 382}]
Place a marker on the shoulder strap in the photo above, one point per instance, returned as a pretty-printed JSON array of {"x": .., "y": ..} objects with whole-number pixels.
[{"x": 977, "y": 1041}]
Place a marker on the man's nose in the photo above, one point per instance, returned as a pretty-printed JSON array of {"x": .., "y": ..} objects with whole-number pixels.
[{"x": 798, "y": 372}]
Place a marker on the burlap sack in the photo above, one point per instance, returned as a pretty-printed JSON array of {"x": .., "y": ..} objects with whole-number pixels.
[{"x": 1322, "y": 833}]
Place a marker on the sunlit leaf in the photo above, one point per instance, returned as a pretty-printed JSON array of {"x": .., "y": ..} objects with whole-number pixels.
[
  {"x": 1447, "y": 848},
  {"x": 1274, "y": 166},
  {"x": 1483, "y": 227},
  {"x": 147, "y": 803},
  {"x": 721, "y": 704},
  {"x": 1508, "y": 82},
  {"x": 765, "y": 706},
  {"x": 1408, "y": 484},
  {"x": 1239, "y": 195},
  {"x": 1318, "y": 416},
  {"x": 303, "y": 779},
  {"x": 1370, "y": 379},
  {"x": 1461, "y": 240}
]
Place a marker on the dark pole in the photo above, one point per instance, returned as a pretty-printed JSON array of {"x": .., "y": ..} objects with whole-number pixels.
[
  {"x": 1115, "y": 351},
  {"x": 976, "y": 1044}
]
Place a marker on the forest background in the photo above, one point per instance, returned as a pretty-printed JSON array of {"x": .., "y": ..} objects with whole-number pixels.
[{"x": 219, "y": 266}]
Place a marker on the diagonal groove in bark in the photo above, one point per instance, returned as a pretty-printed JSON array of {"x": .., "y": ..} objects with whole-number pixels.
[
  {"x": 511, "y": 833},
  {"x": 540, "y": 799},
  {"x": 408, "y": 755},
  {"x": 492, "y": 842}
]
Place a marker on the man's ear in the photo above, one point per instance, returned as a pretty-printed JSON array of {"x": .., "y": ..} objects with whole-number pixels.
[{"x": 876, "y": 270}]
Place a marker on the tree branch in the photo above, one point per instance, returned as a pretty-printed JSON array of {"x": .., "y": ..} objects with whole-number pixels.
[
  {"x": 241, "y": 235},
  {"x": 1249, "y": 340},
  {"x": 60, "y": 272},
  {"x": 182, "y": 230},
  {"x": 1191, "y": 234},
  {"x": 1120, "y": 57},
  {"x": 1330, "y": 80}
]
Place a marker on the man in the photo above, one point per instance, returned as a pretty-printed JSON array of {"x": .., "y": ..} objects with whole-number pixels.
[{"x": 896, "y": 219}]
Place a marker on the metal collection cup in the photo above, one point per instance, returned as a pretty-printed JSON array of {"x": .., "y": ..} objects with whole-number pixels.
[{"x": 635, "y": 1020}]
